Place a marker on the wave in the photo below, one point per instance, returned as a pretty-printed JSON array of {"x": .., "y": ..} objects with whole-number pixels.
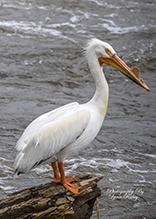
[{"x": 26, "y": 27}]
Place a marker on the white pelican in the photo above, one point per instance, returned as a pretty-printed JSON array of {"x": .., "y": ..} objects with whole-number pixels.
[{"x": 61, "y": 133}]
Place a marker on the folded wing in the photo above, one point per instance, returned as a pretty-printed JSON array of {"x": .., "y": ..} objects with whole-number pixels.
[
  {"x": 34, "y": 127},
  {"x": 40, "y": 144}
]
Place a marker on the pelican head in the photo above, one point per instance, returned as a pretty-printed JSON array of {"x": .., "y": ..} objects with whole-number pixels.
[{"x": 105, "y": 53}]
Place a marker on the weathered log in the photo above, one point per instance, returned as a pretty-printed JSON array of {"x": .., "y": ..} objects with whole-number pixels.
[{"x": 52, "y": 201}]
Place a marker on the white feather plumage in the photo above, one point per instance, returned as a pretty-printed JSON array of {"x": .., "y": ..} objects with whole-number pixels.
[{"x": 63, "y": 132}]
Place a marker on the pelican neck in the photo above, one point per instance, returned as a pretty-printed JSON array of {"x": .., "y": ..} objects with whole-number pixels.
[{"x": 102, "y": 89}]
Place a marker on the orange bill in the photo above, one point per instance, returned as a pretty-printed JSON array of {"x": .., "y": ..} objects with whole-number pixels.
[{"x": 133, "y": 73}]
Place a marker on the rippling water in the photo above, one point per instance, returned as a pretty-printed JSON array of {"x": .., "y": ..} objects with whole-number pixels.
[{"x": 42, "y": 66}]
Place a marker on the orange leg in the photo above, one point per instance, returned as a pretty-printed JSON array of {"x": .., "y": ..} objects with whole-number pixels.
[
  {"x": 57, "y": 175},
  {"x": 71, "y": 187}
]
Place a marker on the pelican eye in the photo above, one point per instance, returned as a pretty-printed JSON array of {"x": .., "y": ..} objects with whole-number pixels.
[{"x": 108, "y": 52}]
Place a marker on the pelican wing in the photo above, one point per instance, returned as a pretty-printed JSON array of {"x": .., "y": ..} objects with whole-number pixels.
[
  {"x": 34, "y": 127},
  {"x": 50, "y": 139}
]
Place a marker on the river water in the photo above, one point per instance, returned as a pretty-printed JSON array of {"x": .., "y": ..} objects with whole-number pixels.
[{"x": 42, "y": 66}]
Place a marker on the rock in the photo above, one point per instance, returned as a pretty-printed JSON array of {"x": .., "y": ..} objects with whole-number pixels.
[{"x": 52, "y": 201}]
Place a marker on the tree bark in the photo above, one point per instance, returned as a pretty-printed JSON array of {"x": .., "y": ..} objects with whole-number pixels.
[{"x": 52, "y": 201}]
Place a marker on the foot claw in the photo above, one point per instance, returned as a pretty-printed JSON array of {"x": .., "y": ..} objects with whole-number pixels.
[
  {"x": 72, "y": 187},
  {"x": 65, "y": 180},
  {"x": 56, "y": 180},
  {"x": 68, "y": 179}
]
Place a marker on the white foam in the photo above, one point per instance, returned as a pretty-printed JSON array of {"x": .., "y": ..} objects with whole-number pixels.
[
  {"x": 117, "y": 163},
  {"x": 148, "y": 155},
  {"x": 42, "y": 169},
  {"x": 96, "y": 162},
  {"x": 105, "y": 4},
  {"x": 6, "y": 188},
  {"x": 29, "y": 28},
  {"x": 120, "y": 30},
  {"x": 21, "y": 5}
]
